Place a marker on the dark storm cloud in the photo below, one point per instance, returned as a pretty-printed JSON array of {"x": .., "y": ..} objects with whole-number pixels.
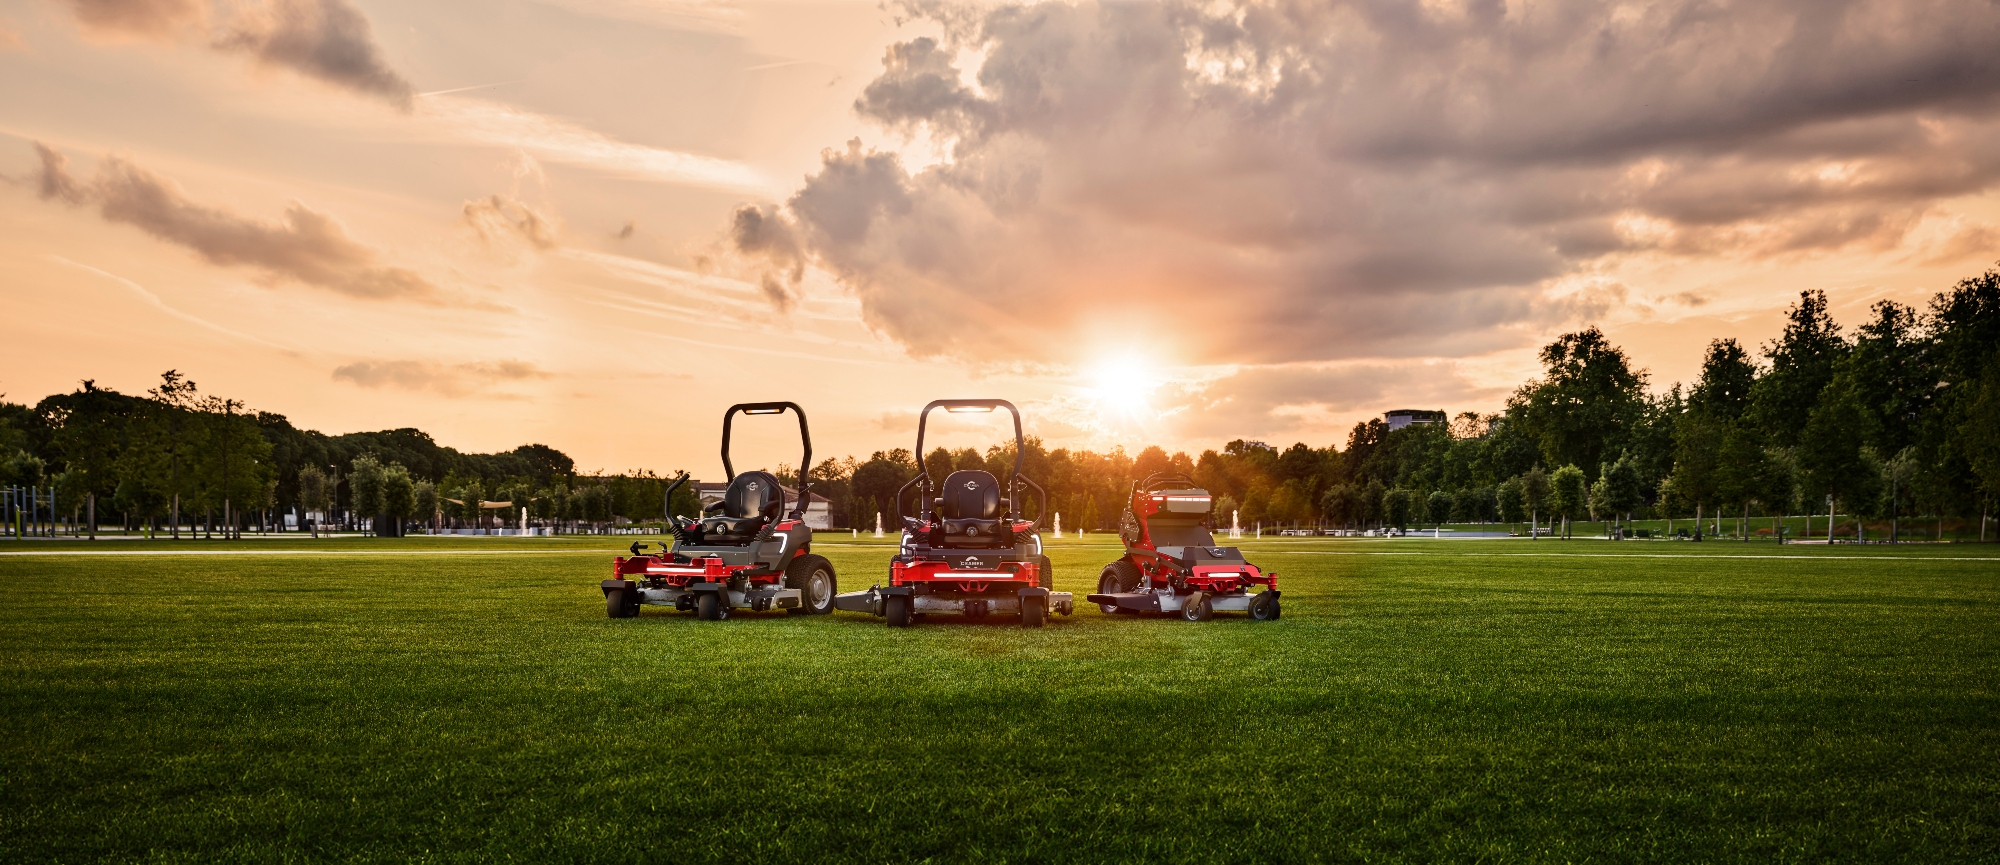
[
  {"x": 306, "y": 246},
  {"x": 453, "y": 380},
  {"x": 1284, "y": 181},
  {"x": 327, "y": 40}
]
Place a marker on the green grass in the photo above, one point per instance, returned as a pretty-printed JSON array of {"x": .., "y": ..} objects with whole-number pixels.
[{"x": 1418, "y": 701}]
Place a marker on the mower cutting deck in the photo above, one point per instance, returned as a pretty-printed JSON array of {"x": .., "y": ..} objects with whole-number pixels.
[
  {"x": 1171, "y": 564},
  {"x": 961, "y": 553},
  {"x": 742, "y": 556}
]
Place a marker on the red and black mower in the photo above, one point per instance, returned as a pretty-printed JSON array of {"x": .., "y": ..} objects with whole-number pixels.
[
  {"x": 962, "y": 553},
  {"x": 1171, "y": 564},
  {"x": 741, "y": 555}
]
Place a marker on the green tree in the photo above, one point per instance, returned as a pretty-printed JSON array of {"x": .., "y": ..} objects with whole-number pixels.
[
  {"x": 425, "y": 496},
  {"x": 1396, "y": 508},
  {"x": 1510, "y": 501},
  {"x": 1536, "y": 489},
  {"x": 1438, "y": 506},
  {"x": 314, "y": 496},
  {"x": 1727, "y": 376},
  {"x": 364, "y": 479},
  {"x": 1802, "y": 365},
  {"x": 399, "y": 497},
  {"x": 1622, "y": 493},
  {"x": 1567, "y": 494},
  {"x": 1586, "y": 404},
  {"x": 471, "y": 501},
  {"x": 1832, "y": 460}
]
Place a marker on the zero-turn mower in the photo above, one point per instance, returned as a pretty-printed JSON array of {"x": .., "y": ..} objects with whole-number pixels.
[
  {"x": 1171, "y": 564},
  {"x": 741, "y": 555},
  {"x": 962, "y": 553}
]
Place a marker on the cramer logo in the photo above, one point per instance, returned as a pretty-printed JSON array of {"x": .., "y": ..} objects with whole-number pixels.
[
  {"x": 970, "y": 562},
  {"x": 972, "y": 485},
  {"x": 750, "y": 486},
  {"x": 1219, "y": 552}
]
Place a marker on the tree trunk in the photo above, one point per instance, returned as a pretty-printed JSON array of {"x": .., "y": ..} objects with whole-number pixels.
[{"x": 90, "y": 507}]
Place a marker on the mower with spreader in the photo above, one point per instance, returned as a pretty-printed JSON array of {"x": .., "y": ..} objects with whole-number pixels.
[
  {"x": 1171, "y": 563},
  {"x": 962, "y": 553},
  {"x": 741, "y": 555}
]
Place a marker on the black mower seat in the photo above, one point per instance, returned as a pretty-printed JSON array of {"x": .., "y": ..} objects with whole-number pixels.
[
  {"x": 751, "y": 500},
  {"x": 969, "y": 509}
]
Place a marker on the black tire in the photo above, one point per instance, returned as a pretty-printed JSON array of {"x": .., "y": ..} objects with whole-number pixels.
[
  {"x": 896, "y": 610},
  {"x": 1048, "y": 573},
  {"x": 616, "y": 607},
  {"x": 814, "y": 578},
  {"x": 1263, "y": 607},
  {"x": 1117, "y": 577},
  {"x": 1034, "y": 612},
  {"x": 707, "y": 608},
  {"x": 1196, "y": 608}
]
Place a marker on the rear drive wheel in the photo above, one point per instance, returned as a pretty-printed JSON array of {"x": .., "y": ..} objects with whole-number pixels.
[
  {"x": 1264, "y": 607},
  {"x": 1034, "y": 611},
  {"x": 616, "y": 607},
  {"x": 1196, "y": 608},
  {"x": 897, "y": 611},
  {"x": 1119, "y": 576},
  {"x": 813, "y": 577}
]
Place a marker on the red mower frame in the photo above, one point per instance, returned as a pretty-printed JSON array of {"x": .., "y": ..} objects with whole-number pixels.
[
  {"x": 1171, "y": 563},
  {"x": 973, "y": 566},
  {"x": 744, "y": 556}
]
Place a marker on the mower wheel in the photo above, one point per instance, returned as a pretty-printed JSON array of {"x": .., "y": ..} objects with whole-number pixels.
[
  {"x": 1197, "y": 608},
  {"x": 896, "y": 609},
  {"x": 616, "y": 606},
  {"x": 1264, "y": 607},
  {"x": 709, "y": 607},
  {"x": 1119, "y": 576},
  {"x": 813, "y": 577},
  {"x": 1034, "y": 612}
]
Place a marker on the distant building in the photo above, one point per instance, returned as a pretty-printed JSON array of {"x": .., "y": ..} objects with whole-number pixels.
[
  {"x": 1403, "y": 417},
  {"x": 817, "y": 516}
]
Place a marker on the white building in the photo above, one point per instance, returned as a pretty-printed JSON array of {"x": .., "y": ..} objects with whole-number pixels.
[
  {"x": 817, "y": 516},
  {"x": 1403, "y": 417}
]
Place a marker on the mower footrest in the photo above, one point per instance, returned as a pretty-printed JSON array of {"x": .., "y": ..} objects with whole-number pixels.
[
  {"x": 1143, "y": 602},
  {"x": 869, "y": 602}
]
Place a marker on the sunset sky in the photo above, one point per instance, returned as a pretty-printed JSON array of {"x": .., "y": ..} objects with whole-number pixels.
[{"x": 596, "y": 223}]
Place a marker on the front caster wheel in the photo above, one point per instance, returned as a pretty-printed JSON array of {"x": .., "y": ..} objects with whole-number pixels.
[
  {"x": 1197, "y": 609},
  {"x": 709, "y": 607},
  {"x": 1264, "y": 607},
  {"x": 1034, "y": 612},
  {"x": 617, "y": 607},
  {"x": 897, "y": 611}
]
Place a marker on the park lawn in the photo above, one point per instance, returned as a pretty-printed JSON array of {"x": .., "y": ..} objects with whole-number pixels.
[{"x": 1419, "y": 700}]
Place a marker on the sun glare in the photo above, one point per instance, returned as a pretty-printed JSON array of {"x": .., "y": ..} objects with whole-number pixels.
[{"x": 1123, "y": 385}]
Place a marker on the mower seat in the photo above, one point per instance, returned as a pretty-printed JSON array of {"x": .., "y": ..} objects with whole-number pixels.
[
  {"x": 969, "y": 510},
  {"x": 751, "y": 500}
]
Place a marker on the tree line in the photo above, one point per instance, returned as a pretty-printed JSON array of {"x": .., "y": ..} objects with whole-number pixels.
[{"x": 1898, "y": 417}]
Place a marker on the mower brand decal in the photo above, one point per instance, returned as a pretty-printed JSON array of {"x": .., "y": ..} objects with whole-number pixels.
[
  {"x": 970, "y": 563},
  {"x": 972, "y": 485},
  {"x": 1219, "y": 552}
]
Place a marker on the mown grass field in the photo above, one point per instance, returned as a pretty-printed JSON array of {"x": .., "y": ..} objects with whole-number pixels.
[{"x": 1419, "y": 701}]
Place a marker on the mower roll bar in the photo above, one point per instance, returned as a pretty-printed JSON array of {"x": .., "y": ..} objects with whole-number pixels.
[
  {"x": 805, "y": 462},
  {"x": 923, "y": 472}
]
